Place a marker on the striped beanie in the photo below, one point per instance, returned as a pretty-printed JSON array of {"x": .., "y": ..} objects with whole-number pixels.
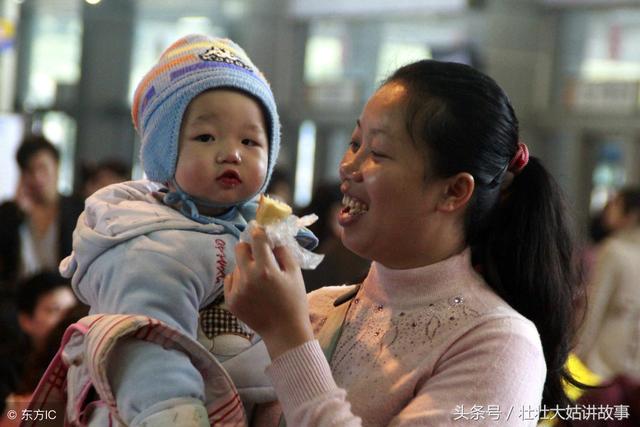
[{"x": 188, "y": 67}]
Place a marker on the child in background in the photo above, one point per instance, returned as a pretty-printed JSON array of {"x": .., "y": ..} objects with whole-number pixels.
[{"x": 161, "y": 248}]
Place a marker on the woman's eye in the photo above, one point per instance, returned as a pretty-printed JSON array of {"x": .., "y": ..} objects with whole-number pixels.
[
  {"x": 205, "y": 138},
  {"x": 354, "y": 145}
]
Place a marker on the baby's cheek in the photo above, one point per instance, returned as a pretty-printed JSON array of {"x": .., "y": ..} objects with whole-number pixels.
[{"x": 194, "y": 169}]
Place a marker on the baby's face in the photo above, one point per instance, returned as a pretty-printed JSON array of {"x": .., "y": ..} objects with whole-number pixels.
[{"x": 223, "y": 153}]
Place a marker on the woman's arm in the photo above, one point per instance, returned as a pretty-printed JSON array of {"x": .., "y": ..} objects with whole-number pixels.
[{"x": 267, "y": 292}]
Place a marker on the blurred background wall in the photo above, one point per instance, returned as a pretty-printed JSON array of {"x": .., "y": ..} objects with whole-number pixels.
[{"x": 68, "y": 69}]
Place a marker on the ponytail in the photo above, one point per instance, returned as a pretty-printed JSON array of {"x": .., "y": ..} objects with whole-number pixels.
[{"x": 527, "y": 256}]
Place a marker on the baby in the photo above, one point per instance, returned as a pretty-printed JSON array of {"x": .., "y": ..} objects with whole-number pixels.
[{"x": 210, "y": 136}]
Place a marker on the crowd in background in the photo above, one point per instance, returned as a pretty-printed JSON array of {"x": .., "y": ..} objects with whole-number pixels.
[{"x": 37, "y": 304}]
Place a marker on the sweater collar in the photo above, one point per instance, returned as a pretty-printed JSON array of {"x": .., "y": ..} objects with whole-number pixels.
[{"x": 447, "y": 278}]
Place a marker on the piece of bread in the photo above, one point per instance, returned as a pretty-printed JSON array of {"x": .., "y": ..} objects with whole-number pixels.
[{"x": 271, "y": 210}]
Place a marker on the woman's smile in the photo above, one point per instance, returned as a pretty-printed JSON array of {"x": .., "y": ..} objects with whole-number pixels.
[{"x": 352, "y": 210}]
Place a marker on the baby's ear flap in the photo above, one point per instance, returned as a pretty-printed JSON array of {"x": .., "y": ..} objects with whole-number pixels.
[{"x": 457, "y": 192}]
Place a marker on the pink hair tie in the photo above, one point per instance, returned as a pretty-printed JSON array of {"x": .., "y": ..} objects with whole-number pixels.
[{"x": 519, "y": 160}]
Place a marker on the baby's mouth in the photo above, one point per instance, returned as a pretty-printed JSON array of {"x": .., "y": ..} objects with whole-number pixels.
[
  {"x": 229, "y": 176},
  {"x": 353, "y": 207}
]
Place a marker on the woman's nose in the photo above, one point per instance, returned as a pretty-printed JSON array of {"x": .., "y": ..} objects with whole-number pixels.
[{"x": 350, "y": 168}]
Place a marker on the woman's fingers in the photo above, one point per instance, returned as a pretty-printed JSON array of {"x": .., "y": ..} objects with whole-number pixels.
[
  {"x": 285, "y": 258},
  {"x": 261, "y": 251},
  {"x": 228, "y": 285},
  {"x": 243, "y": 254}
]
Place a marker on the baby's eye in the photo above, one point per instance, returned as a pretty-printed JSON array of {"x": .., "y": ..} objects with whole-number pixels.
[
  {"x": 250, "y": 142},
  {"x": 354, "y": 145},
  {"x": 205, "y": 138}
]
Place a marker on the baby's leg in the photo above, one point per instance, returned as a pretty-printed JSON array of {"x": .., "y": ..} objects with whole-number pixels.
[{"x": 147, "y": 378}]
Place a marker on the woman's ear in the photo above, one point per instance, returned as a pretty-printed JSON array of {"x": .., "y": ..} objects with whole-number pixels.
[{"x": 457, "y": 191}]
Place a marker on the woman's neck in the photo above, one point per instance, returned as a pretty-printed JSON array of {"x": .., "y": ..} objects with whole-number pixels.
[
  {"x": 421, "y": 259},
  {"x": 423, "y": 284},
  {"x": 415, "y": 252}
]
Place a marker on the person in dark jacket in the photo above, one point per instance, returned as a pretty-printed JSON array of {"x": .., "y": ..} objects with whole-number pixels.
[
  {"x": 36, "y": 227},
  {"x": 35, "y": 234}
]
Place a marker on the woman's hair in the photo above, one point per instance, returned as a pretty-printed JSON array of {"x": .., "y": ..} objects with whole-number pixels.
[{"x": 519, "y": 235}]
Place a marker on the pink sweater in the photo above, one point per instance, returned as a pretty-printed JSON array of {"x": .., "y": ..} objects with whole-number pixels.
[{"x": 420, "y": 347}]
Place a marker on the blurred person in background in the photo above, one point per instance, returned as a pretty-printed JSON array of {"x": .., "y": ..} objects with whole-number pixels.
[
  {"x": 340, "y": 265},
  {"x": 41, "y": 302},
  {"x": 98, "y": 175},
  {"x": 609, "y": 341},
  {"x": 35, "y": 231},
  {"x": 36, "y": 227}
]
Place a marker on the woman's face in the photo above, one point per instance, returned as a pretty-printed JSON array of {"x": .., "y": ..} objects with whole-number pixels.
[
  {"x": 389, "y": 213},
  {"x": 615, "y": 218},
  {"x": 613, "y": 214}
]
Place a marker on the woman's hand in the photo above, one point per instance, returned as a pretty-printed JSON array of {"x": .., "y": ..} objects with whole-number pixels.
[{"x": 266, "y": 291}]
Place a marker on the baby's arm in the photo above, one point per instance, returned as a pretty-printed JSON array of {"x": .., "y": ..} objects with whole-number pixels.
[{"x": 146, "y": 377}]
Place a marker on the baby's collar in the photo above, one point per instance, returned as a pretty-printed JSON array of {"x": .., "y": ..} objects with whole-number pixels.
[{"x": 188, "y": 204}]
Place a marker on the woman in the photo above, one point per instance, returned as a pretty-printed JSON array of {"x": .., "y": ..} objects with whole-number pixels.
[
  {"x": 610, "y": 336},
  {"x": 465, "y": 314}
]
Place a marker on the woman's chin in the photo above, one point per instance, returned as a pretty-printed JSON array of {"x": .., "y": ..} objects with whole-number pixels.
[{"x": 351, "y": 242}]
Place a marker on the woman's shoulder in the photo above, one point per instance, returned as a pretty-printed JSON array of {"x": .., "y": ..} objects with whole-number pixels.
[
  {"x": 621, "y": 245},
  {"x": 497, "y": 318},
  {"x": 321, "y": 301}
]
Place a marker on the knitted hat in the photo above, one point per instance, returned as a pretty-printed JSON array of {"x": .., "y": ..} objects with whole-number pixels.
[{"x": 188, "y": 67}]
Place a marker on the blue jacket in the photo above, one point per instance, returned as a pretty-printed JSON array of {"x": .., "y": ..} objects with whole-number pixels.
[{"x": 132, "y": 254}]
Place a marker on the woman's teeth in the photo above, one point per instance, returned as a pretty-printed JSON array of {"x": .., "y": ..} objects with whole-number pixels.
[{"x": 353, "y": 207}]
